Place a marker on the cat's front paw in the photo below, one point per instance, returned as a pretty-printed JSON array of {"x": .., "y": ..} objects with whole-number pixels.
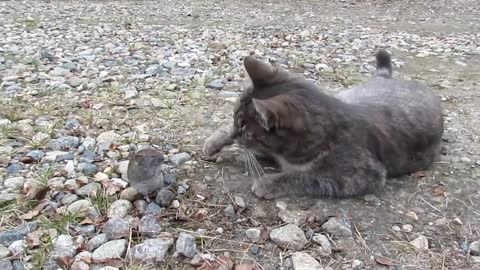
[{"x": 210, "y": 148}]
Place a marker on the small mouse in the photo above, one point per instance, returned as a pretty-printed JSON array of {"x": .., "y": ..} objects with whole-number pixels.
[{"x": 145, "y": 171}]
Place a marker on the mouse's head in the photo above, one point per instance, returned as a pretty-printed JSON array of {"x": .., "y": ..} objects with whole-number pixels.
[{"x": 149, "y": 158}]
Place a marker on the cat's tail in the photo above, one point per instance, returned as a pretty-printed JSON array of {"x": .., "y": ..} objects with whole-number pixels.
[{"x": 384, "y": 64}]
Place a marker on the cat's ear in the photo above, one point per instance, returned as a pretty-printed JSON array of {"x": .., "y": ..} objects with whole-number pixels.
[
  {"x": 281, "y": 111},
  {"x": 257, "y": 70}
]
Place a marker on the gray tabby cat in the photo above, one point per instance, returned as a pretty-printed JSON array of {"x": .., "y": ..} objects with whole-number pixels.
[{"x": 340, "y": 146}]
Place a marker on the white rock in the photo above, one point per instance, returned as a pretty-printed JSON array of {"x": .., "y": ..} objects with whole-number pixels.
[
  {"x": 303, "y": 261},
  {"x": 289, "y": 237},
  {"x": 253, "y": 234},
  {"x": 420, "y": 243},
  {"x": 110, "y": 251},
  {"x": 119, "y": 208}
]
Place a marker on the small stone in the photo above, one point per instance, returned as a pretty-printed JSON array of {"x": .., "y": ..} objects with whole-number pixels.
[
  {"x": 130, "y": 194},
  {"x": 412, "y": 214},
  {"x": 72, "y": 123},
  {"x": 110, "y": 251},
  {"x": 176, "y": 204},
  {"x": 282, "y": 206},
  {"x": 229, "y": 212},
  {"x": 17, "y": 248},
  {"x": 303, "y": 261},
  {"x": 97, "y": 241},
  {"x": 64, "y": 143},
  {"x": 116, "y": 228},
  {"x": 357, "y": 265},
  {"x": 407, "y": 228},
  {"x": 338, "y": 227},
  {"x": 119, "y": 208},
  {"x": 122, "y": 167},
  {"x": 465, "y": 160},
  {"x": 253, "y": 234},
  {"x": 179, "y": 158},
  {"x": 396, "y": 228},
  {"x": 158, "y": 103},
  {"x": 18, "y": 265},
  {"x": 6, "y": 265},
  {"x": 370, "y": 198},
  {"x": 109, "y": 137},
  {"x": 289, "y": 237},
  {"x": 75, "y": 81},
  {"x": 14, "y": 182},
  {"x": 475, "y": 248},
  {"x": 420, "y": 243},
  {"x": 4, "y": 252},
  {"x": 153, "y": 209},
  {"x": 322, "y": 241},
  {"x": 181, "y": 190},
  {"x": 64, "y": 247},
  {"x": 79, "y": 265},
  {"x": 293, "y": 217},
  {"x": 186, "y": 245},
  {"x": 169, "y": 179},
  {"x": 10, "y": 236},
  {"x": 164, "y": 197},
  {"x": 149, "y": 226},
  {"x": 87, "y": 168},
  {"x": 131, "y": 93},
  {"x": 239, "y": 202},
  {"x": 215, "y": 84},
  {"x": 90, "y": 190},
  {"x": 151, "y": 250},
  {"x": 36, "y": 154}
]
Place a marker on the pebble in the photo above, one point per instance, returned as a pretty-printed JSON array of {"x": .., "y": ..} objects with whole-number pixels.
[
  {"x": 63, "y": 247},
  {"x": 64, "y": 143},
  {"x": 90, "y": 190},
  {"x": 293, "y": 217},
  {"x": 36, "y": 154},
  {"x": 116, "y": 228},
  {"x": 153, "y": 209},
  {"x": 130, "y": 194},
  {"x": 97, "y": 241},
  {"x": 229, "y": 212},
  {"x": 180, "y": 158},
  {"x": 119, "y": 208},
  {"x": 4, "y": 252},
  {"x": 357, "y": 264},
  {"x": 6, "y": 265},
  {"x": 17, "y": 248},
  {"x": 253, "y": 234},
  {"x": 407, "y": 228},
  {"x": 151, "y": 250},
  {"x": 475, "y": 248},
  {"x": 122, "y": 168},
  {"x": 169, "y": 179},
  {"x": 80, "y": 207},
  {"x": 87, "y": 168},
  {"x": 165, "y": 197},
  {"x": 338, "y": 226},
  {"x": 420, "y": 243},
  {"x": 10, "y": 236},
  {"x": 109, "y": 137},
  {"x": 289, "y": 237},
  {"x": 14, "y": 182},
  {"x": 323, "y": 242},
  {"x": 149, "y": 226},
  {"x": 239, "y": 202},
  {"x": 181, "y": 190},
  {"x": 216, "y": 84},
  {"x": 110, "y": 251},
  {"x": 186, "y": 245},
  {"x": 303, "y": 261}
]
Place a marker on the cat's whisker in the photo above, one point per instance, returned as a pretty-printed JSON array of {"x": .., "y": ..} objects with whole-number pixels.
[{"x": 258, "y": 168}]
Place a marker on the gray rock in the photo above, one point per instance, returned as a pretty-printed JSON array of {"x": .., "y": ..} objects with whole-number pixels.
[
  {"x": 90, "y": 190},
  {"x": 87, "y": 168},
  {"x": 64, "y": 143},
  {"x": 151, "y": 250},
  {"x": 10, "y": 236},
  {"x": 116, "y": 228},
  {"x": 59, "y": 71},
  {"x": 322, "y": 241},
  {"x": 289, "y": 237},
  {"x": 153, "y": 209},
  {"x": 239, "y": 202},
  {"x": 4, "y": 252},
  {"x": 110, "y": 251},
  {"x": 17, "y": 248},
  {"x": 109, "y": 137},
  {"x": 14, "y": 168},
  {"x": 130, "y": 194},
  {"x": 6, "y": 265},
  {"x": 420, "y": 243},
  {"x": 149, "y": 226},
  {"x": 80, "y": 207},
  {"x": 475, "y": 248},
  {"x": 229, "y": 212},
  {"x": 75, "y": 81},
  {"x": 14, "y": 182},
  {"x": 119, "y": 208},
  {"x": 253, "y": 234},
  {"x": 97, "y": 241},
  {"x": 303, "y": 261},
  {"x": 7, "y": 197},
  {"x": 164, "y": 197},
  {"x": 216, "y": 84},
  {"x": 36, "y": 154},
  {"x": 181, "y": 190},
  {"x": 179, "y": 158},
  {"x": 72, "y": 123},
  {"x": 357, "y": 265},
  {"x": 18, "y": 265},
  {"x": 131, "y": 93},
  {"x": 338, "y": 226},
  {"x": 122, "y": 168},
  {"x": 64, "y": 247},
  {"x": 293, "y": 217},
  {"x": 57, "y": 156},
  {"x": 158, "y": 103},
  {"x": 186, "y": 245},
  {"x": 169, "y": 179}
]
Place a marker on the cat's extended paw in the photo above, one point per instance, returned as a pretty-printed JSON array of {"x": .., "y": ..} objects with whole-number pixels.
[
  {"x": 217, "y": 141},
  {"x": 262, "y": 192},
  {"x": 210, "y": 148}
]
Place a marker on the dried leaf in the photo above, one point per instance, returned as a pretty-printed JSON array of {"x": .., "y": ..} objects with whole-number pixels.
[
  {"x": 384, "y": 261},
  {"x": 419, "y": 174},
  {"x": 35, "y": 211},
  {"x": 264, "y": 236},
  {"x": 438, "y": 191},
  {"x": 33, "y": 238},
  {"x": 64, "y": 262},
  {"x": 36, "y": 192},
  {"x": 201, "y": 213},
  {"x": 245, "y": 266},
  {"x": 87, "y": 221}
]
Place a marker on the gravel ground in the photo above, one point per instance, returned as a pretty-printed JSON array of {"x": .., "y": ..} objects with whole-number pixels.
[{"x": 85, "y": 83}]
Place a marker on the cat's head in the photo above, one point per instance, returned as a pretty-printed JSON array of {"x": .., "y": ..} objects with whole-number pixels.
[{"x": 272, "y": 115}]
